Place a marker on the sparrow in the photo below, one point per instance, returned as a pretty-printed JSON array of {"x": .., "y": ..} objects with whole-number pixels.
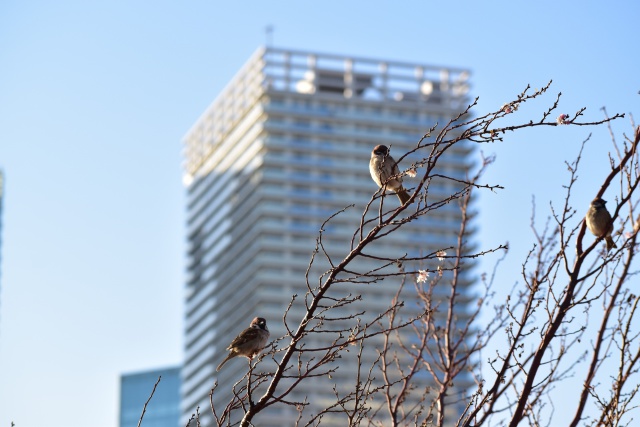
[
  {"x": 382, "y": 167},
  {"x": 599, "y": 221},
  {"x": 250, "y": 342}
]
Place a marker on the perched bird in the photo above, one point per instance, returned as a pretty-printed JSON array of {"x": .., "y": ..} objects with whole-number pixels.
[
  {"x": 599, "y": 221},
  {"x": 382, "y": 167},
  {"x": 249, "y": 342}
]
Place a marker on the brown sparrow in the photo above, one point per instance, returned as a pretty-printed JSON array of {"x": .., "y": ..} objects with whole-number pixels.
[
  {"x": 599, "y": 221},
  {"x": 382, "y": 167},
  {"x": 250, "y": 342}
]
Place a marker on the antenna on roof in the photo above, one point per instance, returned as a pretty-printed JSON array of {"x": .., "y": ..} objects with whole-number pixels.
[{"x": 268, "y": 33}]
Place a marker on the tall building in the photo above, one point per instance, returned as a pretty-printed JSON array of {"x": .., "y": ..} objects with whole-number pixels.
[
  {"x": 284, "y": 146},
  {"x": 163, "y": 409},
  {"x": 1, "y": 202}
]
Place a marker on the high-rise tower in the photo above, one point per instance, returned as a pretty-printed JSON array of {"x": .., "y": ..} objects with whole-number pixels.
[
  {"x": 1, "y": 202},
  {"x": 285, "y": 145}
]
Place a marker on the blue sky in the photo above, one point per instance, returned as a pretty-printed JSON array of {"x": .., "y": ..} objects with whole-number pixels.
[{"x": 96, "y": 96}]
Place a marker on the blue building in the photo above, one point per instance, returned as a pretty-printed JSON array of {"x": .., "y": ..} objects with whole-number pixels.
[
  {"x": 164, "y": 408},
  {"x": 1, "y": 197}
]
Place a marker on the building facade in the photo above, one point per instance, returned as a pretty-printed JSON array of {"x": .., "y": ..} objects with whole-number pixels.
[
  {"x": 1, "y": 203},
  {"x": 163, "y": 409},
  {"x": 283, "y": 147}
]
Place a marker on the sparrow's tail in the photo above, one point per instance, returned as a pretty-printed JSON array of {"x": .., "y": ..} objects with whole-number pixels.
[
  {"x": 403, "y": 195},
  {"x": 226, "y": 359},
  {"x": 610, "y": 243}
]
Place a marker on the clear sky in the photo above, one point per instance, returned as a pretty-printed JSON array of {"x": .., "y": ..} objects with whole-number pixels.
[{"x": 95, "y": 97}]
